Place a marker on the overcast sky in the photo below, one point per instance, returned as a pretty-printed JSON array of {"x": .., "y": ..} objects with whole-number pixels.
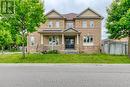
[{"x": 76, "y": 6}]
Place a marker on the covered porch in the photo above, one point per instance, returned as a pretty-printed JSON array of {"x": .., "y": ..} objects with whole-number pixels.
[{"x": 61, "y": 40}]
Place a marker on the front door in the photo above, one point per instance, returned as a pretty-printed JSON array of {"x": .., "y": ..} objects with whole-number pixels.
[{"x": 69, "y": 42}]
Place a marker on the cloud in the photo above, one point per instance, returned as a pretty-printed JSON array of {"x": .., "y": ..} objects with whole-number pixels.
[{"x": 77, "y": 6}]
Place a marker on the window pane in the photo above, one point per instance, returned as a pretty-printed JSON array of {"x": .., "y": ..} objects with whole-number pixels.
[
  {"x": 69, "y": 25},
  {"x": 91, "y": 39},
  {"x": 91, "y": 24},
  {"x": 50, "y": 40},
  {"x": 84, "y": 24},
  {"x": 57, "y": 24},
  {"x": 53, "y": 40},
  {"x": 88, "y": 39},
  {"x": 50, "y": 24},
  {"x": 84, "y": 40},
  {"x": 32, "y": 40}
]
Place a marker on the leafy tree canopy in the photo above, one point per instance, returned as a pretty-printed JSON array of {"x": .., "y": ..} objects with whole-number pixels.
[
  {"x": 29, "y": 14},
  {"x": 5, "y": 37},
  {"x": 118, "y": 21}
]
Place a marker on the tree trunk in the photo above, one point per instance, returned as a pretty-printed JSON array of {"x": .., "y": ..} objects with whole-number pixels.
[
  {"x": 23, "y": 47},
  {"x": 23, "y": 51},
  {"x": 9, "y": 47},
  {"x": 2, "y": 49},
  {"x": 129, "y": 45}
]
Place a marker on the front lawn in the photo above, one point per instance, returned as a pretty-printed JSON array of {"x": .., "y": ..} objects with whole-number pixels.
[{"x": 63, "y": 58}]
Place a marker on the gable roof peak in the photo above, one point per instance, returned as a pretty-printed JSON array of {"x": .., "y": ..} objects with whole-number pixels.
[
  {"x": 90, "y": 10},
  {"x": 53, "y": 10},
  {"x": 71, "y": 29}
]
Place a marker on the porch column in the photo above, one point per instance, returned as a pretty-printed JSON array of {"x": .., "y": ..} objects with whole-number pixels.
[
  {"x": 77, "y": 38},
  {"x": 41, "y": 38},
  {"x": 62, "y": 39}
]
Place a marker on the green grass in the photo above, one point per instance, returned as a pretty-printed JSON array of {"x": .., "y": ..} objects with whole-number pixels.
[{"x": 64, "y": 58}]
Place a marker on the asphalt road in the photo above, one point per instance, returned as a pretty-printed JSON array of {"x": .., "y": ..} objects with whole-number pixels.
[{"x": 64, "y": 75}]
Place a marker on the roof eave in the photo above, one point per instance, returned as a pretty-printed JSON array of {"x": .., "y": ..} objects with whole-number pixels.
[
  {"x": 90, "y": 10},
  {"x": 89, "y": 18},
  {"x": 53, "y": 10}
]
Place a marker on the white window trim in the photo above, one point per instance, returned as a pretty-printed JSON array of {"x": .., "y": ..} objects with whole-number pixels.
[
  {"x": 69, "y": 25},
  {"x": 50, "y": 24},
  {"x": 87, "y": 44},
  {"x": 42, "y": 39},
  {"x": 57, "y": 24},
  {"x": 32, "y": 41},
  {"x": 56, "y": 39},
  {"x": 91, "y": 21},
  {"x": 84, "y": 22}
]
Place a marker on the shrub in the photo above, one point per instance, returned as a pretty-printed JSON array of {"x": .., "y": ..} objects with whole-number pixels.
[
  {"x": 50, "y": 52},
  {"x": 44, "y": 52},
  {"x": 53, "y": 52}
]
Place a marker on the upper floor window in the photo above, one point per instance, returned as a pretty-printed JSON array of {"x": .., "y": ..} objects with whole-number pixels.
[
  {"x": 84, "y": 24},
  {"x": 57, "y": 24},
  {"x": 32, "y": 40},
  {"x": 50, "y": 25},
  {"x": 88, "y": 40},
  {"x": 69, "y": 25},
  {"x": 91, "y": 24},
  {"x": 53, "y": 40}
]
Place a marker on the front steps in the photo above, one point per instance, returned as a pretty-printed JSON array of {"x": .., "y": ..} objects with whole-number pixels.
[{"x": 71, "y": 51}]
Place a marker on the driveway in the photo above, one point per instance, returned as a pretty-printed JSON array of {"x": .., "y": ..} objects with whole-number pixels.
[{"x": 64, "y": 75}]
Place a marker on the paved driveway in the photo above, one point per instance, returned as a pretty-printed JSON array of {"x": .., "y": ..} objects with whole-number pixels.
[{"x": 64, "y": 75}]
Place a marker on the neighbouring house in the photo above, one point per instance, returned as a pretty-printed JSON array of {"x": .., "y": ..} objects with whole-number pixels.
[
  {"x": 68, "y": 32},
  {"x": 115, "y": 46}
]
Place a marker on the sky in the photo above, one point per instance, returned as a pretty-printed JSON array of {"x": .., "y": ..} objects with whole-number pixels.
[{"x": 77, "y": 6}]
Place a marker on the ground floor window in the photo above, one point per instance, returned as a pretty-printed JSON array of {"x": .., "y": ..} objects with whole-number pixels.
[
  {"x": 53, "y": 40},
  {"x": 32, "y": 40},
  {"x": 88, "y": 40}
]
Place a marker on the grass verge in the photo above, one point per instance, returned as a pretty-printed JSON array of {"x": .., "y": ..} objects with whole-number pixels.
[{"x": 65, "y": 58}]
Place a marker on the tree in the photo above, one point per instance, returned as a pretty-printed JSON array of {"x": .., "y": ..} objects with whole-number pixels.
[
  {"x": 5, "y": 38},
  {"x": 29, "y": 14},
  {"x": 118, "y": 21},
  {"x": 4, "y": 25}
]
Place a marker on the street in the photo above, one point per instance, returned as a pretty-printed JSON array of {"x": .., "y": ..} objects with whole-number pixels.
[{"x": 64, "y": 75}]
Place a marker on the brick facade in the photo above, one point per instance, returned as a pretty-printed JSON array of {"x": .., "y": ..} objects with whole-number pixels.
[{"x": 66, "y": 36}]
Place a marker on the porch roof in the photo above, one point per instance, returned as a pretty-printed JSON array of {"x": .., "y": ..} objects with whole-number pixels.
[
  {"x": 50, "y": 31},
  {"x": 71, "y": 30},
  {"x": 59, "y": 31}
]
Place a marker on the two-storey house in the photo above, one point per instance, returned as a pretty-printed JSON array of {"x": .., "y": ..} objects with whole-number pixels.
[{"x": 65, "y": 32}]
